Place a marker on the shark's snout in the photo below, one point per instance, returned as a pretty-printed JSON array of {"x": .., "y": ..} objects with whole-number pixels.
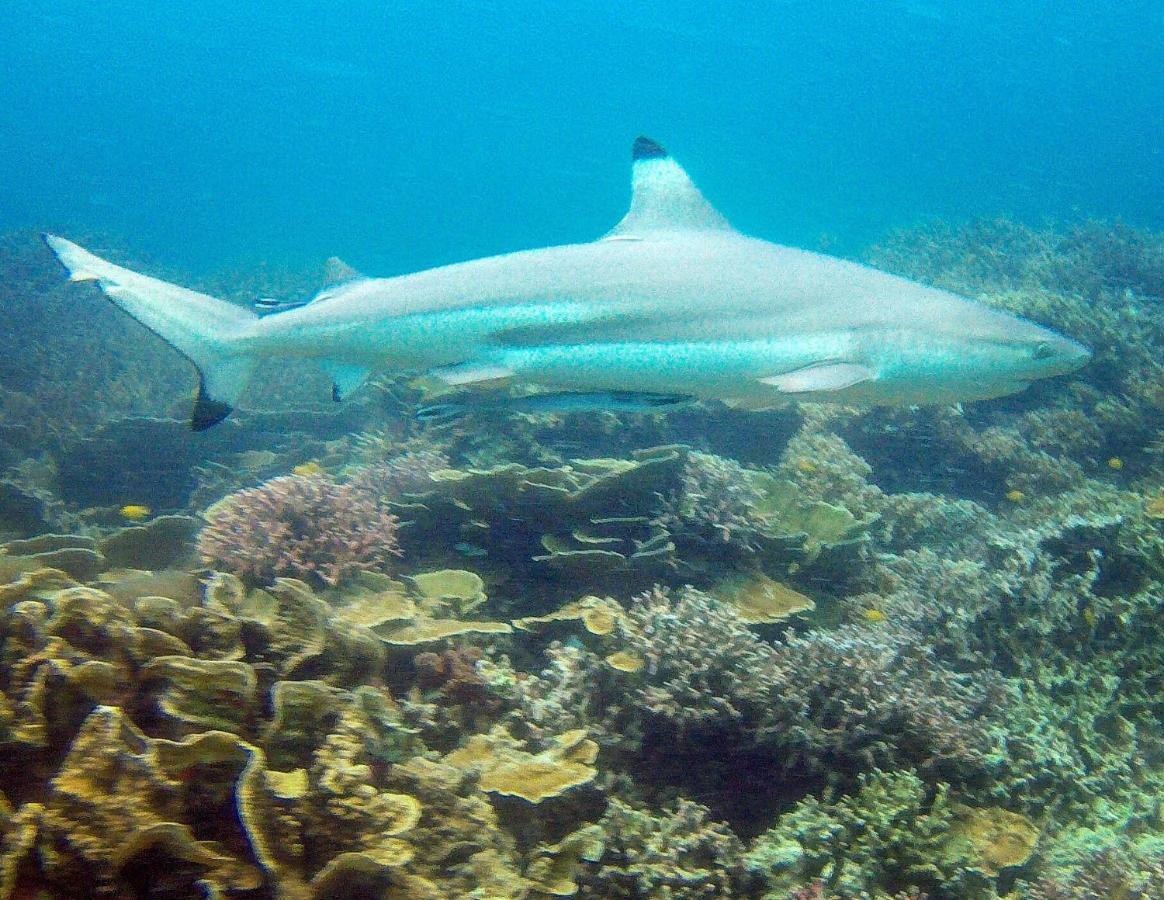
[{"x": 1057, "y": 355}]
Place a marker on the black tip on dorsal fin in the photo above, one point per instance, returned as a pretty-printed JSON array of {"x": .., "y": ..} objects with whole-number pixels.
[{"x": 645, "y": 148}]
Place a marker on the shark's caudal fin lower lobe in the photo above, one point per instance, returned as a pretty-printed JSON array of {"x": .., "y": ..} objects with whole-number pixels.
[{"x": 203, "y": 328}]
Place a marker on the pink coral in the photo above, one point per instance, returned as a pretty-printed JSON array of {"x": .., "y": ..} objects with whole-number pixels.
[{"x": 304, "y": 526}]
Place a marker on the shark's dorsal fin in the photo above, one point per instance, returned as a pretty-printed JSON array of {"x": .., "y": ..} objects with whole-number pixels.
[
  {"x": 336, "y": 271},
  {"x": 663, "y": 197}
]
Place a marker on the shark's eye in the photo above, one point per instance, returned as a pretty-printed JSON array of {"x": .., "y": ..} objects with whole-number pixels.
[{"x": 1043, "y": 351}]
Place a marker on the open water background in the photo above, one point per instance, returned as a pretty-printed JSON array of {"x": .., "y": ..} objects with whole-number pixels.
[{"x": 403, "y": 135}]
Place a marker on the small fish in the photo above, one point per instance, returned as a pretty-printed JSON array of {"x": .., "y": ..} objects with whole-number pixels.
[
  {"x": 308, "y": 468},
  {"x": 266, "y": 306},
  {"x": 135, "y": 512},
  {"x": 559, "y": 401}
]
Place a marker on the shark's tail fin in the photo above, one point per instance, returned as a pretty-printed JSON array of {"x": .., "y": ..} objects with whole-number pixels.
[{"x": 202, "y": 328}]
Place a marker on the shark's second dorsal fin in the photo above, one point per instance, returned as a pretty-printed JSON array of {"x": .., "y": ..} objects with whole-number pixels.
[
  {"x": 663, "y": 197},
  {"x": 336, "y": 271}
]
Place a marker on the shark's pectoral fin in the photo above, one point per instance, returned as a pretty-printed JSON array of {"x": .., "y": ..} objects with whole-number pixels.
[
  {"x": 345, "y": 378},
  {"x": 821, "y": 377},
  {"x": 473, "y": 371}
]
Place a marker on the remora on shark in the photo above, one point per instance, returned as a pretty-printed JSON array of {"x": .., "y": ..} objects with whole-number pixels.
[{"x": 673, "y": 301}]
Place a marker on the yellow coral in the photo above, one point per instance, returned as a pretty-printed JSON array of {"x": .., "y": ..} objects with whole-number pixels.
[
  {"x": 464, "y": 589},
  {"x": 599, "y": 620},
  {"x": 426, "y": 631},
  {"x": 991, "y": 839},
  {"x": 596, "y": 614},
  {"x": 553, "y": 869},
  {"x": 505, "y": 768},
  {"x": 625, "y": 662},
  {"x": 1155, "y": 506},
  {"x": 760, "y": 600}
]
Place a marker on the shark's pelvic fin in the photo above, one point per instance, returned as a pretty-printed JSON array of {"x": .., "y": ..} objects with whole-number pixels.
[
  {"x": 663, "y": 197},
  {"x": 833, "y": 376},
  {"x": 200, "y": 327}
]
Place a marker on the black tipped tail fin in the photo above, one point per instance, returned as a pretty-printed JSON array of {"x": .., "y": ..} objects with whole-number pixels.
[
  {"x": 207, "y": 411},
  {"x": 203, "y": 328}
]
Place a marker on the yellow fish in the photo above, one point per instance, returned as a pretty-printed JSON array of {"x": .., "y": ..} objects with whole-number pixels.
[
  {"x": 308, "y": 468},
  {"x": 134, "y": 511}
]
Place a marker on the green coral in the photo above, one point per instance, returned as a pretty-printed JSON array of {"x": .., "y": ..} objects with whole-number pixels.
[{"x": 884, "y": 837}]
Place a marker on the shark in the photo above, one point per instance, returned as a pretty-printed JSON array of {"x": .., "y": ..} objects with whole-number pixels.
[{"x": 673, "y": 303}]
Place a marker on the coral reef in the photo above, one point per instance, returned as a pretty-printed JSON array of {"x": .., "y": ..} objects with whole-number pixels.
[
  {"x": 817, "y": 653},
  {"x": 304, "y": 526},
  {"x": 677, "y": 853}
]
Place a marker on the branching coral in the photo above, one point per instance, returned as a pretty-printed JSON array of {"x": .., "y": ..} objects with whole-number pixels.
[
  {"x": 400, "y": 475},
  {"x": 304, "y": 526},
  {"x": 715, "y": 497},
  {"x": 679, "y": 853},
  {"x": 831, "y": 698}
]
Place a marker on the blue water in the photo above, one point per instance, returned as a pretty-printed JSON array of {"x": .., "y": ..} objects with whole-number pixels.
[{"x": 403, "y": 135}]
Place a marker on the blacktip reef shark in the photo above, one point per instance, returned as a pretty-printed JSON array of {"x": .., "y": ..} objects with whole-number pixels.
[{"x": 671, "y": 303}]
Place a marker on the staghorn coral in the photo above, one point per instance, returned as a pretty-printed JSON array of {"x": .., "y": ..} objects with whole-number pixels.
[
  {"x": 399, "y": 475},
  {"x": 878, "y": 698},
  {"x": 305, "y": 526},
  {"x": 704, "y": 669},
  {"x": 842, "y": 697},
  {"x": 715, "y": 497},
  {"x": 1107, "y": 874},
  {"x": 824, "y": 706},
  {"x": 677, "y": 853},
  {"x": 885, "y": 835}
]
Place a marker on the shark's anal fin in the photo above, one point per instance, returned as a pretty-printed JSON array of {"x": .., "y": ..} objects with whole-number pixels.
[
  {"x": 833, "y": 376},
  {"x": 345, "y": 378},
  {"x": 663, "y": 197}
]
